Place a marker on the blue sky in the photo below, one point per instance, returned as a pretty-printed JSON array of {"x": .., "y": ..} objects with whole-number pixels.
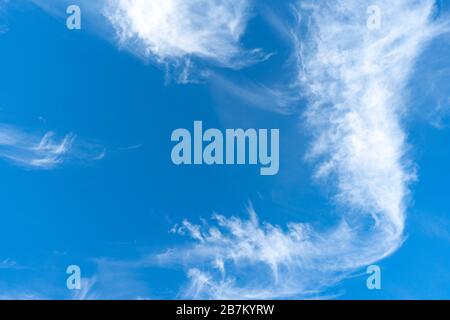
[{"x": 87, "y": 179}]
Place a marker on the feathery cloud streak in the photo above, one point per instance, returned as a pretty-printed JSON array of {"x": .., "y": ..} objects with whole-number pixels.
[{"x": 43, "y": 152}]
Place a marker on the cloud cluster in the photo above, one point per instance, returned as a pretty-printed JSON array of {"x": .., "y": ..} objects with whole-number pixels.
[
  {"x": 354, "y": 80},
  {"x": 43, "y": 151}
]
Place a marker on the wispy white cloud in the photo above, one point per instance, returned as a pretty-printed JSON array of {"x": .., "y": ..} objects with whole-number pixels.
[
  {"x": 185, "y": 37},
  {"x": 252, "y": 260},
  {"x": 44, "y": 151},
  {"x": 354, "y": 80},
  {"x": 176, "y": 29},
  {"x": 270, "y": 98},
  {"x": 178, "y": 33}
]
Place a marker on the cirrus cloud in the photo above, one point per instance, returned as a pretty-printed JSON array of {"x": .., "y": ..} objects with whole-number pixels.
[
  {"x": 354, "y": 80},
  {"x": 177, "y": 31},
  {"x": 45, "y": 151}
]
